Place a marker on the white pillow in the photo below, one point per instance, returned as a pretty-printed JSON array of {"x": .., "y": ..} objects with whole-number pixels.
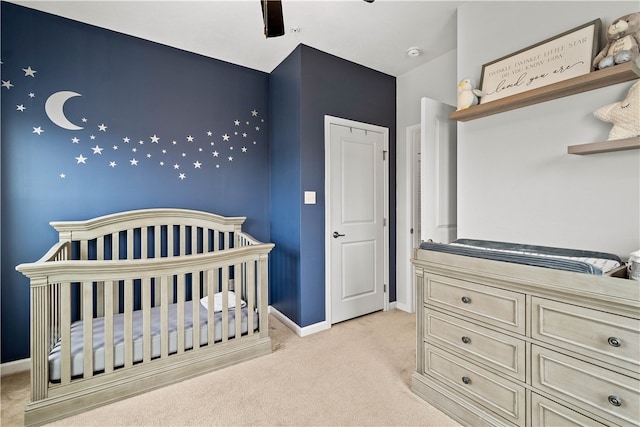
[{"x": 217, "y": 301}]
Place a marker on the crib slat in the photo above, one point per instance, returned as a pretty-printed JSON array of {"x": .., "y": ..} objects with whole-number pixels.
[
  {"x": 237, "y": 287},
  {"x": 128, "y": 322},
  {"x": 183, "y": 240},
  {"x": 55, "y": 313},
  {"x": 157, "y": 253},
  {"x": 251, "y": 294},
  {"x": 87, "y": 329},
  {"x": 157, "y": 241},
  {"x": 180, "y": 290},
  {"x": 210, "y": 274},
  {"x": 100, "y": 285},
  {"x": 195, "y": 300},
  {"x": 144, "y": 252},
  {"x": 130, "y": 242},
  {"x": 164, "y": 316},
  {"x": 225, "y": 304},
  {"x": 84, "y": 249},
  {"x": 65, "y": 334},
  {"x": 108, "y": 325},
  {"x": 146, "y": 319},
  {"x": 156, "y": 290},
  {"x": 262, "y": 289},
  {"x": 216, "y": 240},
  {"x": 170, "y": 245},
  {"x": 205, "y": 240},
  {"x": 194, "y": 239},
  {"x": 115, "y": 254}
]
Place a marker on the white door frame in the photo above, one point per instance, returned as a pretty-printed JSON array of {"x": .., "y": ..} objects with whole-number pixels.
[
  {"x": 408, "y": 303},
  {"x": 328, "y": 121}
]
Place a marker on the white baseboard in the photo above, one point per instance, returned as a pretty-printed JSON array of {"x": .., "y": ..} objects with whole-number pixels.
[
  {"x": 404, "y": 307},
  {"x": 15, "y": 367},
  {"x": 393, "y": 305},
  {"x": 301, "y": 332}
]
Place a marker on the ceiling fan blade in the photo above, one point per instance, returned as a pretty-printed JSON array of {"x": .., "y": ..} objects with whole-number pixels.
[{"x": 272, "y": 17}]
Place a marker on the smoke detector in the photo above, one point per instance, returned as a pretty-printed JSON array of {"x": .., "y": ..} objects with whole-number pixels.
[{"x": 414, "y": 51}]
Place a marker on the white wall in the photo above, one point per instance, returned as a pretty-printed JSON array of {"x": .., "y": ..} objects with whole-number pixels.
[
  {"x": 436, "y": 80},
  {"x": 516, "y": 181}
]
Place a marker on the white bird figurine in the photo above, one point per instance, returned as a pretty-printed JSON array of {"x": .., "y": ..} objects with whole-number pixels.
[{"x": 467, "y": 95}]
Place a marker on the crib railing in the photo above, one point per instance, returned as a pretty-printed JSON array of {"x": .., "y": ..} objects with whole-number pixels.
[{"x": 89, "y": 275}]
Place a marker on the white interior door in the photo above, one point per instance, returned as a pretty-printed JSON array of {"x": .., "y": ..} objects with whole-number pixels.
[
  {"x": 438, "y": 172},
  {"x": 356, "y": 224}
]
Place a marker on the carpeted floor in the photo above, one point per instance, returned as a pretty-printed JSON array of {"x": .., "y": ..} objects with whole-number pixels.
[{"x": 356, "y": 373}]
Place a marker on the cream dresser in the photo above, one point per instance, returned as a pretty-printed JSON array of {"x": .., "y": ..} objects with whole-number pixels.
[{"x": 505, "y": 344}]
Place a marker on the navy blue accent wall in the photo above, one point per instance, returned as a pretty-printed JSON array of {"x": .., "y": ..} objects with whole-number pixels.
[
  {"x": 160, "y": 127},
  {"x": 318, "y": 84},
  {"x": 286, "y": 199}
]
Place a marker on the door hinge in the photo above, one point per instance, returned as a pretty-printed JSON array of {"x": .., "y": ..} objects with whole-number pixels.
[
  {"x": 384, "y": 222},
  {"x": 385, "y": 288},
  {"x": 384, "y": 155}
]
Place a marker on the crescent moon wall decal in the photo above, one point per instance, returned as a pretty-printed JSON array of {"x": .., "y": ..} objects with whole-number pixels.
[{"x": 54, "y": 107}]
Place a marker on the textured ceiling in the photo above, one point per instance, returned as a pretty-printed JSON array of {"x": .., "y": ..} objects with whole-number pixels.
[{"x": 376, "y": 35}]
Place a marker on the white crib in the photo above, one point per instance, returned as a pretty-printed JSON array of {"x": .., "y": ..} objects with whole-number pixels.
[{"x": 147, "y": 280}]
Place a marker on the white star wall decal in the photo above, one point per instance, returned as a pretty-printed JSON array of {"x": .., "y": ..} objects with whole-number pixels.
[
  {"x": 81, "y": 159},
  {"x": 197, "y": 164},
  {"x": 133, "y": 162},
  {"x": 102, "y": 128},
  {"x": 7, "y": 84},
  {"x": 97, "y": 149},
  {"x": 21, "y": 107},
  {"x": 29, "y": 72},
  {"x": 38, "y": 130}
]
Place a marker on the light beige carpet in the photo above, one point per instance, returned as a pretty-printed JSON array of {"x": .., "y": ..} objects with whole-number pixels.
[{"x": 356, "y": 373}]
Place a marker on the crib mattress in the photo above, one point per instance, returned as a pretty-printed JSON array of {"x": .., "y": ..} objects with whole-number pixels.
[
  {"x": 77, "y": 337},
  {"x": 581, "y": 261}
]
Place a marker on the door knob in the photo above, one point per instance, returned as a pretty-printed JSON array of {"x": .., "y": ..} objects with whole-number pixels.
[{"x": 336, "y": 235}]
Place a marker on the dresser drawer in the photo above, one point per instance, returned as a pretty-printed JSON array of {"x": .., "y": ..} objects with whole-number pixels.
[
  {"x": 498, "y": 351},
  {"x": 489, "y": 390},
  {"x": 603, "y": 392},
  {"x": 605, "y": 336},
  {"x": 497, "y": 307},
  {"x": 547, "y": 413}
]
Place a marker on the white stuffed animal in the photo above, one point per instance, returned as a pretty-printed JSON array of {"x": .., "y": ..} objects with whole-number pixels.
[
  {"x": 467, "y": 95},
  {"x": 625, "y": 115}
]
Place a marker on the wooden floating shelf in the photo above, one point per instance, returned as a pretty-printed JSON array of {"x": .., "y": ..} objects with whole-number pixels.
[
  {"x": 593, "y": 80},
  {"x": 606, "y": 146}
]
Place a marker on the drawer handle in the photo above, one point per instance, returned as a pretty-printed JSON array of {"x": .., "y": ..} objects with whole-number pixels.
[
  {"x": 466, "y": 340},
  {"x": 615, "y": 400},
  {"x": 614, "y": 342},
  {"x": 467, "y": 380},
  {"x": 466, "y": 300}
]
